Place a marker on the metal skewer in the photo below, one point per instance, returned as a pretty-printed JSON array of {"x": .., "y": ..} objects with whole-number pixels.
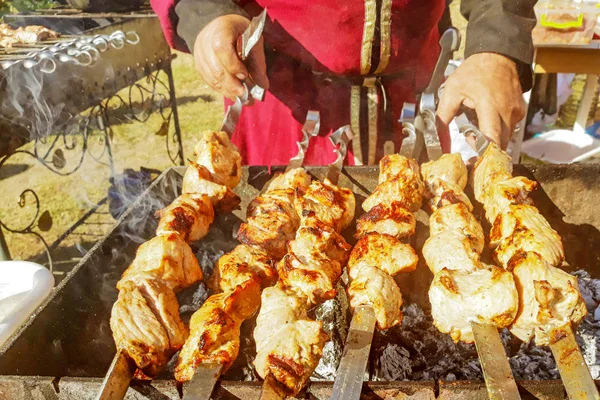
[
  {"x": 340, "y": 139},
  {"x": 573, "y": 370},
  {"x": 498, "y": 376},
  {"x": 203, "y": 382},
  {"x": 119, "y": 375}
]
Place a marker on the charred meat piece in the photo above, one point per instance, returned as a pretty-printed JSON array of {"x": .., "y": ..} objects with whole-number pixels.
[
  {"x": 167, "y": 257},
  {"x": 384, "y": 252},
  {"x": 387, "y": 219},
  {"x": 548, "y": 298},
  {"x": 215, "y": 329},
  {"x": 451, "y": 249},
  {"x": 486, "y": 296},
  {"x": 189, "y": 215},
  {"x": 296, "y": 179},
  {"x": 373, "y": 287},
  {"x": 271, "y": 222},
  {"x": 197, "y": 180},
  {"x": 215, "y": 152},
  {"x": 523, "y": 228},
  {"x": 288, "y": 344},
  {"x": 330, "y": 204},
  {"x": 145, "y": 323},
  {"x": 241, "y": 264},
  {"x": 457, "y": 217}
]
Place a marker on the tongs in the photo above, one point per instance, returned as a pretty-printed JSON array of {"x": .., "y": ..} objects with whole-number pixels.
[{"x": 252, "y": 91}]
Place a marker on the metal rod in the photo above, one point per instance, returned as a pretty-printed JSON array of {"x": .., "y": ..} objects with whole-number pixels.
[
  {"x": 118, "y": 377},
  {"x": 203, "y": 382},
  {"x": 573, "y": 370},
  {"x": 271, "y": 390},
  {"x": 4, "y": 252},
  {"x": 498, "y": 376},
  {"x": 173, "y": 98},
  {"x": 350, "y": 374}
]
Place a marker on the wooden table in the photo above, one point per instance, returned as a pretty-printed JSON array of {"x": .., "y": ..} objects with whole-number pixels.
[{"x": 578, "y": 59}]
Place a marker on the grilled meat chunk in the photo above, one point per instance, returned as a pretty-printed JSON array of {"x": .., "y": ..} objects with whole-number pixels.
[
  {"x": 548, "y": 298},
  {"x": 451, "y": 249},
  {"x": 314, "y": 262},
  {"x": 457, "y": 217},
  {"x": 189, "y": 215},
  {"x": 241, "y": 264},
  {"x": 523, "y": 228},
  {"x": 30, "y": 34},
  {"x": 487, "y": 296},
  {"x": 215, "y": 152},
  {"x": 448, "y": 168},
  {"x": 394, "y": 165},
  {"x": 296, "y": 179},
  {"x": 387, "y": 219},
  {"x": 272, "y": 221},
  {"x": 503, "y": 194},
  {"x": 145, "y": 323},
  {"x": 384, "y": 252},
  {"x": 197, "y": 180},
  {"x": 408, "y": 190},
  {"x": 330, "y": 204},
  {"x": 494, "y": 166},
  {"x": 373, "y": 287},
  {"x": 288, "y": 344},
  {"x": 167, "y": 257},
  {"x": 215, "y": 329}
]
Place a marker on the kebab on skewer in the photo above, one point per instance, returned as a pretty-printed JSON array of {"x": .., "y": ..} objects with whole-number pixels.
[
  {"x": 525, "y": 244},
  {"x": 240, "y": 275},
  {"x": 289, "y": 344},
  {"x": 380, "y": 253},
  {"x": 145, "y": 318},
  {"x": 464, "y": 290},
  {"x": 550, "y": 303}
]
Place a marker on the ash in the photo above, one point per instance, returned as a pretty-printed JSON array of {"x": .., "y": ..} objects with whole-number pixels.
[{"x": 418, "y": 351}]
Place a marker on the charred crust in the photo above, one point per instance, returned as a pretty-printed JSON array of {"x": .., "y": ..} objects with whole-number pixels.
[
  {"x": 448, "y": 283},
  {"x": 557, "y": 335},
  {"x": 286, "y": 365},
  {"x": 516, "y": 260},
  {"x": 182, "y": 221}
]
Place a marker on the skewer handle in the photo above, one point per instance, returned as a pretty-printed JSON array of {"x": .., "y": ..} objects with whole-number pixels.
[
  {"x": 498, "y": 376},
  {"x": 574, "y": 372},
  {"x": 118, "y": 377},
  {"x": 271, "y": 390}
]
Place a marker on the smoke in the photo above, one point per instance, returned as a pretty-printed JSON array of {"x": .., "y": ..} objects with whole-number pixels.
[{"x": 25, "y": 102}]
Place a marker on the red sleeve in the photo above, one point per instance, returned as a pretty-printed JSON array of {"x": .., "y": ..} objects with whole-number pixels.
[{"x": 165, "y": 10}]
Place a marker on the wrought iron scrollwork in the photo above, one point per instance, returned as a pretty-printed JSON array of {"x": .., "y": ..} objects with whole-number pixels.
[{"x": 64, "y": 152}]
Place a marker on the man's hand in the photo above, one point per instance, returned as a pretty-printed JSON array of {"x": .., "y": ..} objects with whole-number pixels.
[
  {"x": 489, "y": 84},
  {"x": 216, "y": 56}
]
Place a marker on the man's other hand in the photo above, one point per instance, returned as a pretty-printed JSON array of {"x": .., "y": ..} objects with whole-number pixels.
[
  {"x": 216, "y": 56},
  {"x": 489, "y": 84}
]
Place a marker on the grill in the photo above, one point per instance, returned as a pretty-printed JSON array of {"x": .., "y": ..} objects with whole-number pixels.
[
  {"x": 66, "y": 347},
  {"x": 96, "y": 56}
]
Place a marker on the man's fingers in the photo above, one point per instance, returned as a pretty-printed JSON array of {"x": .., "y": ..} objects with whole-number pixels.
[
  {"x": 225, "y": 82},
  {"x": 224, "y": 46},
  {"x": 490, "y": 122},
  {"x": 449, "y": 105},
  {"x": 257, "y": 65}
]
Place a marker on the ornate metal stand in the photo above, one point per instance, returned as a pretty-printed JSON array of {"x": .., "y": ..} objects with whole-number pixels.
[{"x": 90, "y": 135}]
